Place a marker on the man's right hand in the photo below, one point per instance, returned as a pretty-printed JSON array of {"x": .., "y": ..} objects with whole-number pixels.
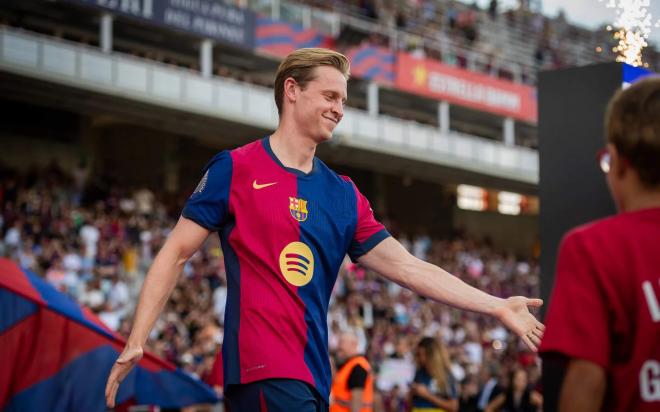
[{"x": 126, "y": 361}]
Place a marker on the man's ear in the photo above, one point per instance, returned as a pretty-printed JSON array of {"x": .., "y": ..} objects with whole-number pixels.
[{"x": 291, "y": 89}]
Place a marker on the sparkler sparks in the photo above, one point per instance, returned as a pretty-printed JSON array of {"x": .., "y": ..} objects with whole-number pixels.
[{"x": 634, "y": 22}]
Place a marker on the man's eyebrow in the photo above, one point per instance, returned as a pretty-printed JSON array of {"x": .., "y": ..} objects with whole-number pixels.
[{"x": 335, "y": 94}]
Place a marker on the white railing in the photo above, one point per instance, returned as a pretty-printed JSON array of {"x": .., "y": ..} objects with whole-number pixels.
[{"x": 73, "y": 64}]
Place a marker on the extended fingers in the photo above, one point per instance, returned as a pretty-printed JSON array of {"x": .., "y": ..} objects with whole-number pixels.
[
  {"x": 117, "y": 374},
  {"x": 529, "y": 343},
  {"x": 111, "y": 393},
  {"x": 535, "y": 339},
  {"x": 537, "y": 303},
  {"x": 540, "y": 326},
  {"x": 537, "y": 333}
]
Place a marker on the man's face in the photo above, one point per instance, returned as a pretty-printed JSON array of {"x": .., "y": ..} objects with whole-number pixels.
[
  {"x": 346, "y": 346},
  {"x": 320, "y": 106}
]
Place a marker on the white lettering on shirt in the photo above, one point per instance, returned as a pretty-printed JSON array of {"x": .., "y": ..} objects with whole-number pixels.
[
  {"x": 649, "y": 381},
  {"x": 651, "y": 300}
]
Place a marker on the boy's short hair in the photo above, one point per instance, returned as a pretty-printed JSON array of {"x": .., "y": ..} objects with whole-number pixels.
[{"x": 632, "y": 125}]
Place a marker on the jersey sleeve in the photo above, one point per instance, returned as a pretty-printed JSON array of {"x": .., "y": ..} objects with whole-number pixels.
[
  {"x": 368, "y": 231},
  {"x": 358, "y": 378},
  {"x": 577, "y": 323},
  {"x": 208, "y": 205}
]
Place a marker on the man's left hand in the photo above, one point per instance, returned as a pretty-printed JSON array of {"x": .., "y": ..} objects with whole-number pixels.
[{"x": 514, "y": 313}]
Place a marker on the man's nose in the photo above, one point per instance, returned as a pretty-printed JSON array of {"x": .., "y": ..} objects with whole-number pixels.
[{"x": 338, "y": 111}]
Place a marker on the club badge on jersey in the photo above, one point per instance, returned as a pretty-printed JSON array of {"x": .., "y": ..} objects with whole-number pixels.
[{"x": 298, "y": 208}]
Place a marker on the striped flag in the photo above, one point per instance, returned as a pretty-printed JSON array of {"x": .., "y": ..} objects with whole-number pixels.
[
  {"x": 57, "y": 355},
  {"x": 279, "y": 38}
]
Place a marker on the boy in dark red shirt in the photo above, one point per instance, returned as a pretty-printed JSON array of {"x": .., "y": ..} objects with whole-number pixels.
[{"x": 604, "y": 315}]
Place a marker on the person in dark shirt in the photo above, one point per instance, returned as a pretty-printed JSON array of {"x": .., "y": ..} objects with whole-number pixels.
[
  {"x": 434, "y": 387},
  {"x": 519, "y": 397}
]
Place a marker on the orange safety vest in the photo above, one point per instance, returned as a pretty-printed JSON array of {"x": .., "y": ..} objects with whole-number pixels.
[{"x": 340, "y": 395}]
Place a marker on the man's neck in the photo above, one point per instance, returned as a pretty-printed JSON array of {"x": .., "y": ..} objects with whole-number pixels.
[{"x": 293, "y": 149}]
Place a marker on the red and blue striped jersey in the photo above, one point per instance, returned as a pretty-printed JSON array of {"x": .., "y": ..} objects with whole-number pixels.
[{"x": 284, "y": 235}]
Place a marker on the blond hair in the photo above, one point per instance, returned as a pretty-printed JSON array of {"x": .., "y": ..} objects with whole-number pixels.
[
  {"x": 300, "y": 65},
  {"x": 632, "y": 125},
  {"x": 437, "y": 364}
]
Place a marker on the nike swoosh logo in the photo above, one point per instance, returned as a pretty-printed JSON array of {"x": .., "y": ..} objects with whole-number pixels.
[{"x": 257, "y": 186}]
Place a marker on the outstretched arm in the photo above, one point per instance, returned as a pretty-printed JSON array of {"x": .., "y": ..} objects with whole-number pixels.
[
  {"x": 186, "y": 237},
  {"x": 392, "y": 260}
]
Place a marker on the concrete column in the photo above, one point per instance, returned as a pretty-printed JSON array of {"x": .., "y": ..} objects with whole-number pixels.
[
  {"x": 379, "y": 203},
  {"x": 443, "y": 117},
  {"x": 336, "y": 25},
  {"x": 307, "y": 17},
  {"x": 89, "y": 143},
  {"x": 105, "y": 32},
  {"x": 275, "y": 9},
  {"x": 372, "y": 99},
  {"x": 171, "y": 165},
  {"x": 509, "y": 132},
  {"x": 471, "y": 60},
  {"x": 206, "y": 58},
  {"x": 517, "y": 73}
]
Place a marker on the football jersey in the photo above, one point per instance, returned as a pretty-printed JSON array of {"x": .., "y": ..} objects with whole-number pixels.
[
  {"x": 284, "y": 235},
  {"x": 604, "y": 307}
]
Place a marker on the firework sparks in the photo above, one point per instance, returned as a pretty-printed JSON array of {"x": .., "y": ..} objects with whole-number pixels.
[{"x": 634, "y": 22}]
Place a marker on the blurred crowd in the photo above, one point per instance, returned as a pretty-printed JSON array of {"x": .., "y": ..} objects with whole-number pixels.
[
  {"x": 96, "y": 241},
  {"x": 493, "y": 40},
  {"x": 512, "y": 43}
]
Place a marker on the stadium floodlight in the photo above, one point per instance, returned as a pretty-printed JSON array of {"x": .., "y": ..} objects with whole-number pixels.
[
  {"x": 471, "y": 198},
  {"x": 508, "y": 203}
]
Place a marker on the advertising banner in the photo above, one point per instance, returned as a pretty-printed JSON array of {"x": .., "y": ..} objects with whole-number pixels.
[
  {"x": 474, "y": 90},
  {"x": 204, "y": 18}
]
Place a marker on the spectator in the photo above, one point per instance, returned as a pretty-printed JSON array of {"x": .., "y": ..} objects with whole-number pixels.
[
  {"x": 352, "y": 385},
  {"x": 492, "y": 9},
  {"x": 434, "y": 388},
  {"x": 519, "y": 397}
]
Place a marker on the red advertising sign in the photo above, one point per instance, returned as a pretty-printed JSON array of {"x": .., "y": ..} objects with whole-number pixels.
[{"x": 478, "y": 91}]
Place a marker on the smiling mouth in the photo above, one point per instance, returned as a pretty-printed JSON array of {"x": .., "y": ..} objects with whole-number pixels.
[{"x": 332, "y": 120}]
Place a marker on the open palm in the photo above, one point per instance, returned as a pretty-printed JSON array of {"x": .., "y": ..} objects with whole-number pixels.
[{"x": 514, "y": 313}]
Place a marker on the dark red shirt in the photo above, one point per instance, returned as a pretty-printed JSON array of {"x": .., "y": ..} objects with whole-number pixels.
[{"x": 604, "y": 307}]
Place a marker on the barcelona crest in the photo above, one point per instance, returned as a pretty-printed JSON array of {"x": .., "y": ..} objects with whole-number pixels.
[{"x": 298, "y": 209}]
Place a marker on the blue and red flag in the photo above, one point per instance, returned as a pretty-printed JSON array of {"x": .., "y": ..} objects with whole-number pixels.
[
  {"x": 279, "y": 38},
  {"x": 372, "y": 63},
  {"x": 56, "y": 355}
]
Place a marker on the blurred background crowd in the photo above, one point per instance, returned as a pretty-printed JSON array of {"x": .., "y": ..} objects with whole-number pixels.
[{"x": 95, "y": 240}]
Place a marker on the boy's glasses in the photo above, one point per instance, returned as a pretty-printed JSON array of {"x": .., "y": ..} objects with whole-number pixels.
[{"x": 603, "y": 159}]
